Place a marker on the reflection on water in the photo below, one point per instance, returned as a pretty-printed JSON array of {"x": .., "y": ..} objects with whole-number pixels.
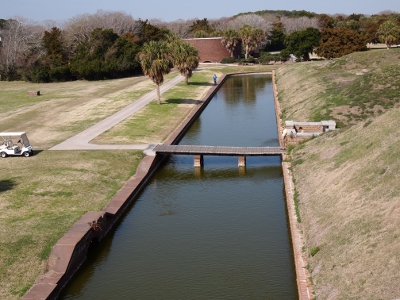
[
  {"x": 243, "y": 89},
  {"x": 230, "y": 122},
  {"x": 214, "y": 233}
]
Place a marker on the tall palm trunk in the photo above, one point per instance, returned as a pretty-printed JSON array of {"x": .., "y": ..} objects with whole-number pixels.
[{"x": 158, "y": 94}]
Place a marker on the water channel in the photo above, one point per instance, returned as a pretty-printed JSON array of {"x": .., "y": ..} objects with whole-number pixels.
[{"x": 215, "y": 233}]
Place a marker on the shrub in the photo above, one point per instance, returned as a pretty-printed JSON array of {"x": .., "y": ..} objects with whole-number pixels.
[
  {"x": 314, "y": 251},
  {"x": 228, "y": 60},
  {"x": 249, "y": 60},
  {"x": 266, "y": 58}
]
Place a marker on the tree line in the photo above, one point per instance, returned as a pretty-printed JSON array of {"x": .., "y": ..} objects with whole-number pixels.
[
  {"x": 327, "y": 36},
  {"x": 107, "y": 44}
]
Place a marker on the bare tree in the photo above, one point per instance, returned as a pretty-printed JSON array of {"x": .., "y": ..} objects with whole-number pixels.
[
  {"x": 180, "y": 27},
  {"x": 297, "y": 24},
  {"x": 386, "y": 12},
  {"x": 252, "y": 20},
  {"x": 270, "y": 17},
  {"x": 221, "y": 24},
  {"x": 78, "y": 28},
  {"x": 19, "y": 37}
]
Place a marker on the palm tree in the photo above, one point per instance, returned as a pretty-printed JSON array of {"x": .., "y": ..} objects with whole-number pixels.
[
  {"x": 155, "y": 62},
  {"x": 230, "y": 39},
  {"x": 259, "y": 37},
  {"x": 246, "y": 35},
  {"x": 186, "y": 59},
  {"x": 388, "y": 33},
  {"x": 251, "y": 38}
]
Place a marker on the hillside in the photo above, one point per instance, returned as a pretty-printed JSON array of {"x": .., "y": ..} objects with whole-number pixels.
[
  {"x": 349, "y": 89},
  {"x": 348, "y": 180}
]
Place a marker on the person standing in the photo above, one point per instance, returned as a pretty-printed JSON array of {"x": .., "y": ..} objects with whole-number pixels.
[{"x": 215, "y": 79}]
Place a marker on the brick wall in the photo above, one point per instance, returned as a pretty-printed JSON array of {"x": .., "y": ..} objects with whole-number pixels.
[
  {"x": 309, "y": 128},
  {"x": 211, "y": 49}
]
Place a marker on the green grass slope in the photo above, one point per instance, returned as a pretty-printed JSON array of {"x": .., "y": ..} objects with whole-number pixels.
[
  {"x": 348, "y": 181},
  {"x": 349, "y": 89}
]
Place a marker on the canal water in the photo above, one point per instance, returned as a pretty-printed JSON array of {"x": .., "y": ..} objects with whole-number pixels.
[{"x": 219, "y": 232}]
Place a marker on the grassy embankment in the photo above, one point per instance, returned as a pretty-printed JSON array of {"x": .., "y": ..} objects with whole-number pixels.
[
  {"x": 43, "y": 195},
  {"x": 348, "y": 180}
]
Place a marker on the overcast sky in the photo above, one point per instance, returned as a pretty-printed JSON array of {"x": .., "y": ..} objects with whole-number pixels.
[{"x": 60, "y": 10}]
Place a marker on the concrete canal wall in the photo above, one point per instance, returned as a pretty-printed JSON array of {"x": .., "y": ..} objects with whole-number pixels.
[
  {"x": 71, "y": 250},
  {"x": 300, "y": 260}
]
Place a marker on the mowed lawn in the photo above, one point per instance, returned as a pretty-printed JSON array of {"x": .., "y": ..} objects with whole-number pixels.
[{"x": 42, "y": 196}]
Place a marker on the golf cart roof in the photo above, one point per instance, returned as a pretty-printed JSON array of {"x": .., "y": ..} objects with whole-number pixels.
[
  {"x": 12, "y": 133},
  {"x": 14, "y": 136}
]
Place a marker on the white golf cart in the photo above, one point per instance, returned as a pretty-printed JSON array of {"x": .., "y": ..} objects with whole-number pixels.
[{"x": 14, "y": 143}]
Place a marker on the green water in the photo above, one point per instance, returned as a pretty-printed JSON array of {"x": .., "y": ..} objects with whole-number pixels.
[{"x": 214, "y": 233}]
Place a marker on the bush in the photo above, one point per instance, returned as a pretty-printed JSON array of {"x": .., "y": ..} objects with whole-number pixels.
[
  {"x": 249, "y": 60},
  {"x": 314, "y": 251},
  {"x": 62, "y": 73},
  {"x": 228, "y": 60},
  {"x": 266, "y": 57},
  {"x": 284, "y": 55}
]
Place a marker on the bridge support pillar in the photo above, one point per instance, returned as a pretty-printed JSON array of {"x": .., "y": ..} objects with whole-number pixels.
[
  {"x": 198, "y": 161},
  {"x": 241, "y": 161}
]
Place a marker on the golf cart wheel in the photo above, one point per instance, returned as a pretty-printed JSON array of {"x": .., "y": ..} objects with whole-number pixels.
[
  {"x": 27, "y": 154},
  {"x": 3, "y": 154}
]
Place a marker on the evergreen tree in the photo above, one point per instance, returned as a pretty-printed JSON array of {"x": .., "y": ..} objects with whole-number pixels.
[
  {"x": 302, "y": 42},
  {"x": 337, "y": 42},
  {"x": 105, "y": 55}
]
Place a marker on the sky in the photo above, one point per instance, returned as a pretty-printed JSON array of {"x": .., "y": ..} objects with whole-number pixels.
[{"x": 62, "y": 10}]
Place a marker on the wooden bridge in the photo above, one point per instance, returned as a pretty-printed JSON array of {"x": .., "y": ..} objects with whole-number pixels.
[{"x": 200, "y": 151}]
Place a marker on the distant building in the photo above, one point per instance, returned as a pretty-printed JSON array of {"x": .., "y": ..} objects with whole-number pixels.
[{"x": 212, "y": 50}]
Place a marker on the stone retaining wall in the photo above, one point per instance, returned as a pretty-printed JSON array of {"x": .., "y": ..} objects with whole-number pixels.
[{"x": 304, "y": 286}]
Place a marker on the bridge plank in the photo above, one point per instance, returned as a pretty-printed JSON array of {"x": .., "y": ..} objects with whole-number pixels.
[{"x": 218, "y": 150}]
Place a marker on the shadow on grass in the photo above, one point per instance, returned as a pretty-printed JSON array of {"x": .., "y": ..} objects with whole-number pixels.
[
  {"x": 7, "y": 184},
  {"x": 36, "y": 152},
  {"x": 181, "y": 101},
  {"x": 200, "y": 83}
]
